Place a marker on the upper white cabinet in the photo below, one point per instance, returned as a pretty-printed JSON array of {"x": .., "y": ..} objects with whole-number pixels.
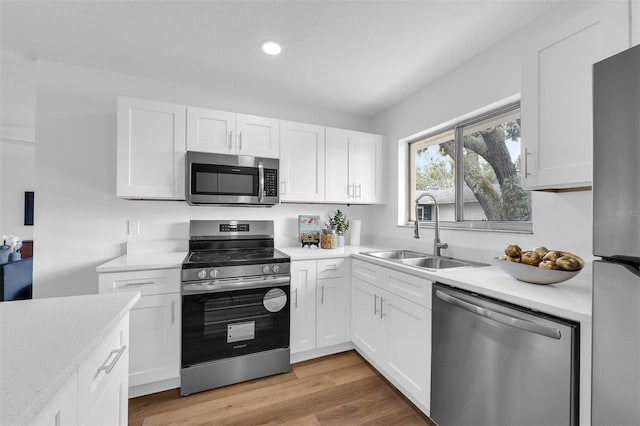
[
  {"x": 354, "y": 171},
  {"x": 225, "y": 132},
  {"x": 150, "y": 149},
  {"x": 301, "y": 162},
  {"x": 557, "y": 136}
]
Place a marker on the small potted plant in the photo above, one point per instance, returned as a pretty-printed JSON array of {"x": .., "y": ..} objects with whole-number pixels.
[{"x": 339, "y": 222}]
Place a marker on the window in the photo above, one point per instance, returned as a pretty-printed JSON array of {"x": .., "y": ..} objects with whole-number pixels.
[{"x": 472, "y": 168}]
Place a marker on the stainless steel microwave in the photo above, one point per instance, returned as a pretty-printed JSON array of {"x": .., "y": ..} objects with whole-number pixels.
[{"x": 231, "y": 179}]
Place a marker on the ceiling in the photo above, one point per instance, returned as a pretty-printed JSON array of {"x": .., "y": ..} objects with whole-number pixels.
[{"x": 357, "y": 57}]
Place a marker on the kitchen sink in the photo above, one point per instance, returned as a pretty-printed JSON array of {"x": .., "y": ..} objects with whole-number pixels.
[
  {"x": 422, "y": 260},
  {"x": 437, "y": 262},
  {"x": 397, "y": 254}
]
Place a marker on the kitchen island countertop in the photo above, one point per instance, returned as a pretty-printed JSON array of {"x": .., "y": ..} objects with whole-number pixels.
[{"x": 44, "y": 341}]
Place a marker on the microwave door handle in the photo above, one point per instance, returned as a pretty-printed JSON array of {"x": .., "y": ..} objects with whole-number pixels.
[{"x": 261, "y": 182}]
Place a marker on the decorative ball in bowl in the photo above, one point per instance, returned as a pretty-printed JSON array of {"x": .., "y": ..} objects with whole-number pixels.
[{"x": 539, "y": 266}]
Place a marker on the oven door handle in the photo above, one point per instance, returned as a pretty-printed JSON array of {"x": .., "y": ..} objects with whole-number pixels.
[{"x": 232, "y": 285}]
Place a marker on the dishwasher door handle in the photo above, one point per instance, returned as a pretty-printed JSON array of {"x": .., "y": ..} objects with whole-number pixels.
[{"x": 529, "y": 326}]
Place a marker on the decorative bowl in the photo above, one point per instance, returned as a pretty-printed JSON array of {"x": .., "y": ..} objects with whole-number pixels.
[{"x": 533, "y": 274}]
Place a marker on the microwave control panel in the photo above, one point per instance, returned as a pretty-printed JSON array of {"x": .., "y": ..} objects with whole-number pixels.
[{"x": 271, "y": 182}]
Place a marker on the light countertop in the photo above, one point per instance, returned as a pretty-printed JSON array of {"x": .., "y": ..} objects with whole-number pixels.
[
  {"x": 311, "y": 253},
  {"x": 142, "y": 261},
  {"x": 44, "y": 341},
  {"x": 570, "y": 299}
]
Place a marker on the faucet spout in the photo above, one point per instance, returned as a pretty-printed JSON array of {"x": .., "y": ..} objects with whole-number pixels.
[{"x": 437, "y": 244}]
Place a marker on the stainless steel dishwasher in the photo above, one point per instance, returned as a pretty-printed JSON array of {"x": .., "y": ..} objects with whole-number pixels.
[{"x": 494, "y": 363}]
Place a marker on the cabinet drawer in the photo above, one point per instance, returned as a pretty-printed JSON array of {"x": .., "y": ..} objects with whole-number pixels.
[
  {"x": 154, "y": 281},
  {"x": 367, "y": 272},
  {"x": 333, "y": 268},
  {"x": 412, "y": 288},
  {"x": 95, "y": 374}
]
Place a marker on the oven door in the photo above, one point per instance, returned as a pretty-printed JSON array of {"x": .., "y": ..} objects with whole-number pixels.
[{"x": 225, "y": 323}]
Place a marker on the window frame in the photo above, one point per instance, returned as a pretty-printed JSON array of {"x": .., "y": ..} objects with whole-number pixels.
[{"x": 458, "y": 126}]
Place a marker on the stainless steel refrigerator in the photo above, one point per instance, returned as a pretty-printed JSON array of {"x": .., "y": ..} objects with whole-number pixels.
[{"x": 616, "y": 239}]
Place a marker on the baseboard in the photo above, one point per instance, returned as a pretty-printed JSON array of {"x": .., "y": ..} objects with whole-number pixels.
[
  {"x": 149, "y": 388},
  {"x": 317, "y": 353}
]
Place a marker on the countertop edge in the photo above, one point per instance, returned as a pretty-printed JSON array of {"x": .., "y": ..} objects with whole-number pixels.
[{"x": 49, "y": 392}]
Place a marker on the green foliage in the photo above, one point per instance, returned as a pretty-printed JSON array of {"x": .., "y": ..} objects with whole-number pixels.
[{"x": 338, "y": 222}]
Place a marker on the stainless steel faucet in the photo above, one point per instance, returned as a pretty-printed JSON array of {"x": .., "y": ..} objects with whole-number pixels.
[{"x": 437, "y": 245}]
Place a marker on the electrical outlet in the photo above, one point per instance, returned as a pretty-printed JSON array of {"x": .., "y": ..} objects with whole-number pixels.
[{"x": 133, "y": 227}]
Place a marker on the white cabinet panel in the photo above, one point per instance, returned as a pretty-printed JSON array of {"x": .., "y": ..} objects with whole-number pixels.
[
  {"x": 415, "y": 289},
  {"x": 338, "y": 189},
  {"x": 557, "y": 137},
  {"x": 210, "y": 130},
  {"x": 258, "y": 136},
  {"x": 333, "y": 302},
  {"x": 155, "y": 339},
  {"x": 303, "y": 306},
  {"x": 365, "y": 318},
  {"x": 302, "y": 162},
  {"x": 150, "y": 149}
]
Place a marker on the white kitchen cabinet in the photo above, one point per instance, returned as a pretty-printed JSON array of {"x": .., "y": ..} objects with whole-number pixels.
[
  {"x": 320, "y": 303},
  {"x": 354, "y": 167},
  {"x": 103, "y": 381},
  {"x": 302, "y": 162},
  {"x": 224, "y": 132},
  {"x": 333, "y": 295},
  {"x": 155, "y": 326},
  {"x": 150, "y": 149},
  {"x": 210, "y": 130},
  {"x": 303, "y": 306},
  {"x": 557, "y": 137},
  {"x": 392, "y": 331}
]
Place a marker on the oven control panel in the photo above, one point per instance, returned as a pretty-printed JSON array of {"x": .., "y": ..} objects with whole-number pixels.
[{"x": 221, "y": 272}]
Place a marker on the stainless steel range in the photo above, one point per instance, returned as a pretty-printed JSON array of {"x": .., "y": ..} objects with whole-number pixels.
[{"x": 235, "y": 305}]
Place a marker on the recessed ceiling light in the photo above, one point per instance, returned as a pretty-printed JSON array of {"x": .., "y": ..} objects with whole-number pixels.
[{"x": 271, "y": 47}]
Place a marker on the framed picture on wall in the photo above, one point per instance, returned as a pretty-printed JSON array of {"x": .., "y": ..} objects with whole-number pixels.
[{"x": 28, "y": 208}]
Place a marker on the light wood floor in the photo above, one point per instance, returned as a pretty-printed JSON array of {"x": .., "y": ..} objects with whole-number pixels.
[{"x": 340, "y": 389}]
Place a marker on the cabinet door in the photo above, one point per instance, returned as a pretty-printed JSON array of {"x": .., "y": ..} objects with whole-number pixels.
[
  {"x": 258, "y": 136},
  {"x": 303, "y": 306},
  {"x": 211, "y": 130},
  {"x": 365, "y": 319},
  {"x": 338, "y": 188},
  {"x": 301, "y": 162},
  {"x": 407, "y": 343},
  {"x": 557, "y": 134},
  {"x": 333, "y": 311},
  {"x": 365, "y": 167},
  {"x": 155, "y": 339},
  {"x": 151, "y": 149}
]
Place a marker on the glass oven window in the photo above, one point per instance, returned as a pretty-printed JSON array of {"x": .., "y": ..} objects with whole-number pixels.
[{"x": 222, "y": 325}]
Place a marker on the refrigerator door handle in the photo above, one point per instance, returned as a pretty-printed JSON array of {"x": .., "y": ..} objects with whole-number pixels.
[{"x": 530, "y": 326}]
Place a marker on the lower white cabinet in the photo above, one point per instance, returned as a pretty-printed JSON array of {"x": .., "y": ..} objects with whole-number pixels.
[
  {"x": 393, "y": 332},
  {"x": 97, "y": 393},
  {"x": 319, "y": 303},
  {"x": 154, "y": 362}
]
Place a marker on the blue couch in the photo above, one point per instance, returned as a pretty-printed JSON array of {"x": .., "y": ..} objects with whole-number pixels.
[{"x": 16, "y": 280}]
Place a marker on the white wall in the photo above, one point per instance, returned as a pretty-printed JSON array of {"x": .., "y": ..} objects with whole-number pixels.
[
  {"x": 80, "y": 222},
  {"x": 560, "y": 220}
]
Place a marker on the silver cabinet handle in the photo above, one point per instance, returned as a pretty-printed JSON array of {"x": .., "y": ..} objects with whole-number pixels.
[
  {"x": 230, "y": 139},
  {"x": 525, "y": 325},
  {"x": 375, "y": 304},
  {"x": 526, "y": 162},
  {"x": 141, "y": 283},
  {"x": 173, "y": 312},
  {"x": 108, "y": 367},
  {"x": 239, "y": 141},
  {"x": 382, "y": 314},
  {"x": 295, "y": 304},
  {"x": 332, "y": 267},
  {"x": 322, "y": 295}
]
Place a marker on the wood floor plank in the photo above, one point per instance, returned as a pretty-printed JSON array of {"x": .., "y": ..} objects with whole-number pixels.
[{"x": 340, "y": 389}]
